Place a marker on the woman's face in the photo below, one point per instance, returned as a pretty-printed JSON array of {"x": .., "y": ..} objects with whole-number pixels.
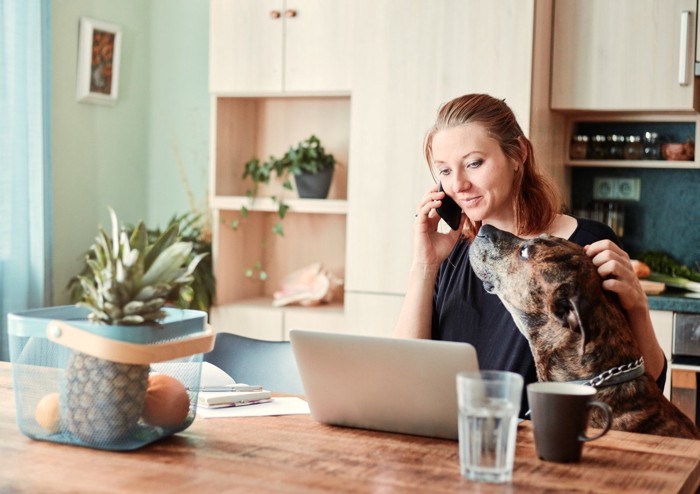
[{"x": 475, "y": 173}]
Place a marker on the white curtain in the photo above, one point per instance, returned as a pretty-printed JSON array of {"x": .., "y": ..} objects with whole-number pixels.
[{"x": 25, "y": 36}]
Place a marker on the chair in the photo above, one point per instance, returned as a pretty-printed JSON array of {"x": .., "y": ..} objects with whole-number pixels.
[{"x": 250, "y": 361}]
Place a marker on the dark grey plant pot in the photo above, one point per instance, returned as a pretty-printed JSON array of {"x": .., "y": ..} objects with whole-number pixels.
[{"x": 314, "y": 185}]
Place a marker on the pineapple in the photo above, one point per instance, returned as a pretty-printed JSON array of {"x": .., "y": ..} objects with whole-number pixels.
[{"x": 103, "y": 400}]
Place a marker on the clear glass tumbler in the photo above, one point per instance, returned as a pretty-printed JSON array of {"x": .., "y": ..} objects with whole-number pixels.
[{"x": 489, "y": 402}]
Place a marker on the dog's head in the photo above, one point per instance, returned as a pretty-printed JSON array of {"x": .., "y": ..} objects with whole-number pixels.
[{"x": 544, "y": 282}]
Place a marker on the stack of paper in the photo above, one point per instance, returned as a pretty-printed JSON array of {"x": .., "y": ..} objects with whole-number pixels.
[{"x": 228, "y": 403}]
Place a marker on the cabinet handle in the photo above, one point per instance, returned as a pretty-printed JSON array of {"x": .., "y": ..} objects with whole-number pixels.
[
  {"x": 290, "y": 13},
  {"x": 275, "y": 14},
  {"x": 683, "y": 56}
]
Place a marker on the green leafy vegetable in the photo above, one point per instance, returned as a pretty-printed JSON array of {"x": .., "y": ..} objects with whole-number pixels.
[{"x": 662, "y": 263}]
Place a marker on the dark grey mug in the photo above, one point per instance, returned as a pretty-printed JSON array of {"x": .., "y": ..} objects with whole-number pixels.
[{"x": 560, "y": 415}]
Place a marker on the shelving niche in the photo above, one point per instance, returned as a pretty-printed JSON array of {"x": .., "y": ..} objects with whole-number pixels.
[
  {"x": 314, "y": 229},
  {"x": 671, "y": 128}
]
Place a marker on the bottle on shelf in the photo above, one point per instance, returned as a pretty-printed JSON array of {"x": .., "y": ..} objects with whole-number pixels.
[
  {"x": 633, "y": 147},
  {"x": 598, "y": 149},
  {"x": 615, "y": 147},
  {"x": 651, "y": 147},
  {"x": 579, "y": 147}
]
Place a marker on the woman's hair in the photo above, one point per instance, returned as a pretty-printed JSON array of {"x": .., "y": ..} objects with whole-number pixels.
[{"x": 536, "y": 200}]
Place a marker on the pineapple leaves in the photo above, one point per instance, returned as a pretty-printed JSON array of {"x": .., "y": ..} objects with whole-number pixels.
[
  {"x": 131, "y": 276},
  {"x": 166, "y": 267},
  {"x": 139, "y": 238},
  {"x": 115, "y": 232},
  {"x": 164, "y": 242}
]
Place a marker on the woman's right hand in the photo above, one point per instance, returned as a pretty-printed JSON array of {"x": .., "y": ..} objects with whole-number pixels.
[{"x": 431, "y": 247}]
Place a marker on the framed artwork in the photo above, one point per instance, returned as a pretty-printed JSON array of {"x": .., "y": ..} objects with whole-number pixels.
[{"x": 99, "y": 51}]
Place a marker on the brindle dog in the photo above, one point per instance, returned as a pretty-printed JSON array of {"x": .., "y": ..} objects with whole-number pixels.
[{"x": 576, "y": 329}]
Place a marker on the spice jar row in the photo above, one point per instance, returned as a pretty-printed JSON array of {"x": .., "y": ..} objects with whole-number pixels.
[{"x": 616, "y": 147}]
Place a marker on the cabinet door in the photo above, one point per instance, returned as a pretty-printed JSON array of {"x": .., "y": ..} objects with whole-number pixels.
[
  {"x": 623, "y": 55},
  {"x": 662, "y": 321},
  {"x": 409, "y": 58},
  {"x": 245, "y": 46},
  {"x": 317, "y": 45}
]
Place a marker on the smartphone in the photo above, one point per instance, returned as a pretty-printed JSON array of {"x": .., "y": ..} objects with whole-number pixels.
[{"x": 449, "y": 211}]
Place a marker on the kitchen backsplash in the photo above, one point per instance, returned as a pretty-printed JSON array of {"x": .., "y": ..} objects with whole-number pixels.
[{"x": 667, "y": 216}]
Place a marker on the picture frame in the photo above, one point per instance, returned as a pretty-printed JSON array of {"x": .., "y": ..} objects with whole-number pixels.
[{"x": 99, "y": 54}]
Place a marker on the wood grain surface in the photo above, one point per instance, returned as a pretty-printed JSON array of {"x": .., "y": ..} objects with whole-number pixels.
[{"x": 295, "y": 454}]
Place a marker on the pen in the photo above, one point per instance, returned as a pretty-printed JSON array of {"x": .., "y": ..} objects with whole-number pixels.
[
  {"x": 230, "y": 387},
  {"x": 239, "y": 404}
]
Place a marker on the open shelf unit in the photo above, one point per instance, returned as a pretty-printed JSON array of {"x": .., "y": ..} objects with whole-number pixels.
[
  {"x": 670, "y": 127},
  {"x": 314, "y": 229}
]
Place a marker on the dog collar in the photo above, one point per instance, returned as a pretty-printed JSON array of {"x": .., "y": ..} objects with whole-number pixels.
[{"x": 616, "y": 375}]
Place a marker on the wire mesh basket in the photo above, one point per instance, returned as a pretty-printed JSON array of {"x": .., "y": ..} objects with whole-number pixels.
[{"x": 105, "y": 387}]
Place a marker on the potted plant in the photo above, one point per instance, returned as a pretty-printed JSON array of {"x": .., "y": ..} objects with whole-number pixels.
[
  {"x": 312, "y": 168},
  {"x": 308, "y": 162}
]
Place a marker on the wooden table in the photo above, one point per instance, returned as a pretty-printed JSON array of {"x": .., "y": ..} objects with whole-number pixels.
[{"x": 296, "y": 454}]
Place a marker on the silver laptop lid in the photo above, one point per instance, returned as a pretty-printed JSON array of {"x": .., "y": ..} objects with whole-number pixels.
[{"x": 378, "y": 383}]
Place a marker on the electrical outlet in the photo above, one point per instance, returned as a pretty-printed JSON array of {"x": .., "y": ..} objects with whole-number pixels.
[
  {"x": 628, "y": 189},
  {"x": 604, "y": 188},
  {"x": 616, "y": 189}
]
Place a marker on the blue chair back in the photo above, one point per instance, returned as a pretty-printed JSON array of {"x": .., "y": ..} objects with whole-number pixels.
[{"x": 251, "y": 361}]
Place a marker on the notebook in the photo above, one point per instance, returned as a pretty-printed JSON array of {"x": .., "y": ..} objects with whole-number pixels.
[
  {"x": 220, "y": 399},
  {"x": 217, "y": 390},
  {"x": 387, "y": 384}
]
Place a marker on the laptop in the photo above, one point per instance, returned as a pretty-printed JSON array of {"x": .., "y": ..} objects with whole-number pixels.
[{"x": 388, "y": 384}]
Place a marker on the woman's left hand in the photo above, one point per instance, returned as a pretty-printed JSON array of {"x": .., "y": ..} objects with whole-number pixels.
[{"x": 618, "y": 274}]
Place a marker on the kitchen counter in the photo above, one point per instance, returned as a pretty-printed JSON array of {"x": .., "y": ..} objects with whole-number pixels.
[{"x": 676, "y": 301}]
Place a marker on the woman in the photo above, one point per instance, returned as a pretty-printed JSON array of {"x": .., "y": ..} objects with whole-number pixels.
[{"x": 479, "y": 154}]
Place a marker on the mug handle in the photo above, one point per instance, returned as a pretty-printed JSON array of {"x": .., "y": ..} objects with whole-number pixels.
[{"x": 607, "y": 411}]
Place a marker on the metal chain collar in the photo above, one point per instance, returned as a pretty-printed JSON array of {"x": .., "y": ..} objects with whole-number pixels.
[{"x": 637, "y": 365}]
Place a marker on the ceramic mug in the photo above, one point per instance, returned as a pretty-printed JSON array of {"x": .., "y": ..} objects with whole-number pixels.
[{"x": 560, "y": 414}]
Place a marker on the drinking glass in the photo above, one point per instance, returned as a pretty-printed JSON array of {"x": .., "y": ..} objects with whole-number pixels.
[{"x": 488, "y": 402}]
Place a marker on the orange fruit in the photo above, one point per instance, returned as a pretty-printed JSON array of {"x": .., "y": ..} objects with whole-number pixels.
[
  {"x": 167, "y": 402},
  {"x": 48, "y": 413}
]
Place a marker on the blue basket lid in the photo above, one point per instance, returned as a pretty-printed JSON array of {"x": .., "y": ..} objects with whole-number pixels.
[{"x": 178, "y": 323}]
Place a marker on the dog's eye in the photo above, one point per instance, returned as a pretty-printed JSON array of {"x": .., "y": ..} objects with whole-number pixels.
[{"x": 524, "y": 252}]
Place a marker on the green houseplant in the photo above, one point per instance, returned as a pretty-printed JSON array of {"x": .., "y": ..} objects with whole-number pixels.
[{"x": 312, "y": 168}]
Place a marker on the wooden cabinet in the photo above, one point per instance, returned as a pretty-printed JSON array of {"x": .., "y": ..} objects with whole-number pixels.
[
  {"x": 662, "y": 321},
  {"x": 624, "y": 55},
  {"x": 270, "y": 46},
  {"x": 409, "y": 58},
  {"x": 279, "y": 73}
]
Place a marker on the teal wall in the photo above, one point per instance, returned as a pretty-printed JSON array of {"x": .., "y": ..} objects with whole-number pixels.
[
  {"x": 122, "y": 156},
  {"x": 178, "y": 105},
  {"x": 667, "y": 217}
]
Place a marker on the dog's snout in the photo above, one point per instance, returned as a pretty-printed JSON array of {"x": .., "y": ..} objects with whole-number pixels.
[
  {"x": 492, "y": 233},
  {"x": 487, "y": 231}
]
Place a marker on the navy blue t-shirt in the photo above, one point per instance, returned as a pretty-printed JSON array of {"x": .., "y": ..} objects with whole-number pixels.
[{"x": 463, "y": 311}]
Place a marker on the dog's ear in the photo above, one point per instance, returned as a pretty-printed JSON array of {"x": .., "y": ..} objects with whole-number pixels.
[{"x": 567, "y": 310}]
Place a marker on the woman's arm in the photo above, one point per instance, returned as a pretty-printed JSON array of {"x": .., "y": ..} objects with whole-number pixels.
[
  {"x": 619, "y": 277},
  {"x": 430, "y": 248},
  {"x": 415, "y": 318}
]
